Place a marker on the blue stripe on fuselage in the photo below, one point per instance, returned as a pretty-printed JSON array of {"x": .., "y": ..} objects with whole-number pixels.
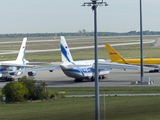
[{"x": 85, "y": 70}]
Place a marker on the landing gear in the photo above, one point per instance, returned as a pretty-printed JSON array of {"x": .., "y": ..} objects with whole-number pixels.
[
  {"x": 78, "y": 80},
  {"x": 100, "y": 77},
  {"x": 92, "y": 78},
  {"x": 155, "y": 70},
  {"x": 9, "y": 79}
]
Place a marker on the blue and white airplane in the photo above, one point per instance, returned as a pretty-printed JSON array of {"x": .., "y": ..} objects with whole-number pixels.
[
  {"x": 83, "y": 69},
  {"x": 7, "y": 68},
  {"x": 78, "y": 69}
]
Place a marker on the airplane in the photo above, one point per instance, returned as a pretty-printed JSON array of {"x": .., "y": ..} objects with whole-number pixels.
[
  {"x": 7, "y": 68},
  {"x": 82, "y": 69},
  {"x": 116, "y": 57}
]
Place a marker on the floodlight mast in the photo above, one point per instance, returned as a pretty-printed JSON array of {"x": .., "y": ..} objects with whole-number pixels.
[
  {"x": 94, "y": 4},
  {"x": 141, "y": 43}
]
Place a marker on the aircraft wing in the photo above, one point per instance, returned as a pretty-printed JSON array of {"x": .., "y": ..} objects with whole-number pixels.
[
  {"x": 152, "y": 65},
  {"x": 36, "y": 63},
  {"x": 45, "y": 68},
  {"x": 3, "y": 65},
  {"x": 39, "y": 68},
  {"x": 111, "y": 65}
]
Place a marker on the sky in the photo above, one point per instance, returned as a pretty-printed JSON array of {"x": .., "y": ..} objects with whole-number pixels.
[{"x": 53, "y": 16}]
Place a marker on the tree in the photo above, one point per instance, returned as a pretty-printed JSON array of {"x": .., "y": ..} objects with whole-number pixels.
[{"x": 15, "y": 92}]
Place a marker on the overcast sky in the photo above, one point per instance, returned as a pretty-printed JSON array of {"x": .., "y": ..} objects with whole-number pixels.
[{"x": 41, "y": 16}]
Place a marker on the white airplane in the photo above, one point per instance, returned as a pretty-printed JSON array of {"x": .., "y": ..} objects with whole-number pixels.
[
  {"x": 7, "y": 68},
  {"x": 83, "y": 69}
]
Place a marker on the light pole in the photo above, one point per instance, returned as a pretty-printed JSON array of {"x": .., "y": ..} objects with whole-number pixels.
[
  {"x": 141, "y": 42},
  {"x": 94, "y": 5}
]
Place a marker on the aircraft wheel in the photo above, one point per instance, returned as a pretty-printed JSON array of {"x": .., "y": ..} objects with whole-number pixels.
[
  {"x": 9, "y": 79},
  {"x": 156, "y": 70},
  {"x": 151, "y": 71},
  {"x": 92, "y": 79},
  {"x": 78, "y": 80}
]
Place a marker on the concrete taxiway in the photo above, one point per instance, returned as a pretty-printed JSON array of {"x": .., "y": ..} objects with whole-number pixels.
[{"x": 116, "y": 78}]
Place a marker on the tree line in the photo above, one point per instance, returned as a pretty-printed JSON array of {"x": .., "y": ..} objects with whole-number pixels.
[{"x": 79, "y": 33}]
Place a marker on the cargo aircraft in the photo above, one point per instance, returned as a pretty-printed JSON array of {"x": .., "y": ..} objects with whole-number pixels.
[
  {"x": 7, "y": 68},
  {"x": 82, "y": 69},
  {"x": 117, "y": 58}
]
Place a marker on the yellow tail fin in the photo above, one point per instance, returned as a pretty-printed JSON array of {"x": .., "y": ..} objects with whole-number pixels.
[
  {"x": 113, "y": 54},
  {"x": 149, "y": 56}
]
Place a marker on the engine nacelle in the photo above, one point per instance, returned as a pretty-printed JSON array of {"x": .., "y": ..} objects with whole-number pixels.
[
  {"x": 16, "y": 73},
  {"x": 1, "y": 74},
  {"x": 13, "y": 73},
  {"x": 33, "y": 73}
]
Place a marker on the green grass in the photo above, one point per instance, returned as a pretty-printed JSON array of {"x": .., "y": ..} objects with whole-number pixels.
[
  {"x": 125, "y": 51},
  {"x": 107, "y": 90},
  {"x": 131, "y": 51},
  {"x": 117, "y": 108},
  {"x": 102, "y": 90},
  {"x": 133, "y": 108}
]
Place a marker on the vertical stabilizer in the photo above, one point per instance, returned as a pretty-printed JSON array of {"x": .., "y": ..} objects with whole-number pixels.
[
  {"x": 21, "y": 55},
  {"x": 65, "y": 52},
  {"x": 113, "y": 54}
]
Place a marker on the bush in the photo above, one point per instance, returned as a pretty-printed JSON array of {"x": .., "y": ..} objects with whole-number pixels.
[
  {"x": 36, "y": 90},
  {"x": 15, "y": 92},
  {"x": 30, "y": 84},
  {"x": 60, "y": 94},
  {"x": 52, "y": 96}
]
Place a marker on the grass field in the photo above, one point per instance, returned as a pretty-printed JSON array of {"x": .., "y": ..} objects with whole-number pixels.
[
  {"x": 117, "y": 108},
  {"x": 131, "y": 51}
]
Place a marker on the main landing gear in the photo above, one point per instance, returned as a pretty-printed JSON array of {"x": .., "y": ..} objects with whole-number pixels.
[
  {"x": 78, "y": 80},
  {"x": 155, "y": 70},
  {"x": 92, "y": 79},
  {"x": 100, "y": 77},
  {"x": 9, "y": 79}
]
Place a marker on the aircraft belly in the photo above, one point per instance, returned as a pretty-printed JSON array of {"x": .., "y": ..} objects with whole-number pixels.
[
  {"x": 104, "y": 72},
  {"x": 83, "y": 72},
  {"x": 73, "y": 74}
]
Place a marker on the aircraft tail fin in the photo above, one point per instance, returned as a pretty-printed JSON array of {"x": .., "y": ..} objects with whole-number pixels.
[
  {"x": 113, "y": 54},
  {"x": 65, "y": 52},
  {"x": 149, "y": 57},
  {"x": 21, "y": 54}
]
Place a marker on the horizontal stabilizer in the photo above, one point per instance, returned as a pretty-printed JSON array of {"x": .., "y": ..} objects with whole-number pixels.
[
  {"x": 40, "y": 68},
  {"x": 14, "y": 65},
  {"x": 37, "y": 63}
]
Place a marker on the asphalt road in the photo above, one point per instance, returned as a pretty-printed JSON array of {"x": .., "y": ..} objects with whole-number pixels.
[{"x": 115, "y": 78}]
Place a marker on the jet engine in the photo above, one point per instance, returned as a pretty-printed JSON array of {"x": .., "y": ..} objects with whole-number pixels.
[
  {"x": 0, "y": 74},
  {"x": 13, "y": 73},
  {"x": 33, "y": 73}
]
